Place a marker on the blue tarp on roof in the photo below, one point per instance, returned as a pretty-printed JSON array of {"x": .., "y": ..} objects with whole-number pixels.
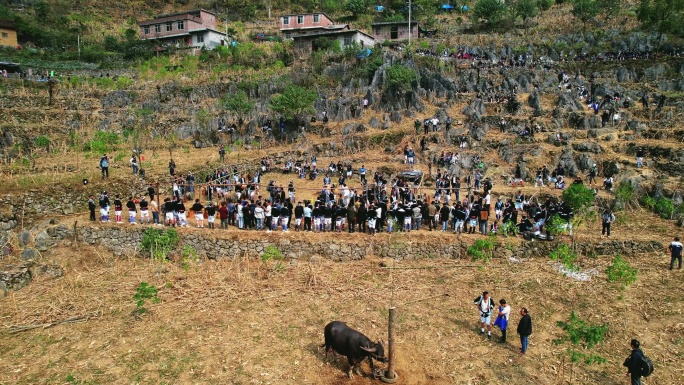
[{"x": 379, "y": 8}]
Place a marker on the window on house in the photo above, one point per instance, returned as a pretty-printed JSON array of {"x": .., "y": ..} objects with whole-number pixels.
[
  {"x": 157, "y": 28},
  {"x": 347, "y": 40},
  {"x": 200, "y": 38},
  {"x": 169, "y": 27},
  {"x": 317, "y": 18},
  {"x": 300, "y": 19},
  {"x": 147, "y": 30},
  {"x": 394, "y": 32},
  {"x": 4, "y": 34},
  {"x": 181, "y": 25},
  {"x": 286, "y": 20}
]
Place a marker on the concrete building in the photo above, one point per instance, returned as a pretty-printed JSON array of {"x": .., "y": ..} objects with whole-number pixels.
[
  {"x": 8, "y": 33},
  {"x": 194, "y": 29},
  {"x": 306, "y": 43},
  {"x": 305, "y": 23},
  {"x": 394, "y": 30}
]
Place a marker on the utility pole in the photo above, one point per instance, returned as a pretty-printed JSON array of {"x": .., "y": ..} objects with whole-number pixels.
[
  {"x": 409, "y": 25},
  {"x": 78, "y": 43}
]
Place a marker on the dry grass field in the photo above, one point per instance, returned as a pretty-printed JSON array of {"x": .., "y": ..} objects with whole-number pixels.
[{"x": 242, "y": 322}]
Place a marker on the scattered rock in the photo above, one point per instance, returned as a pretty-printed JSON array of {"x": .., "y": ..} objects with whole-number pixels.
[
  {"x": 24, "y": 238},
  {"x": 54, "y": 271},
  {"x": 29, "y": 254}
]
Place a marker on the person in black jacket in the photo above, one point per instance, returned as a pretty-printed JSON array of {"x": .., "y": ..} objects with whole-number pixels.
[
  {"x": 524, "y": 329},
  {"x": 634, "y": 362},
  {"x": 91, "y": 207}
]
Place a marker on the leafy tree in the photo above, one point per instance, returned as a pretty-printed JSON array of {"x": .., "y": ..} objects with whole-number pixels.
[
  {"x": 43, "y": 10},
  {"x": 610, "y": 8},
  {"x": 544, "y": 5},
  {"x": 494, "y": 11},
  {"x": 400, "y": 78},
  {"x": 293, "y": 102},
  {"x": 578, "y": 197},
  {"x": 585, "y": 10},
  {"x": 239, "y": 104},
  {"x": 356, "y": 7},
  {"x": 526, "y": 9},
  {"x": 662, "y": 16}
]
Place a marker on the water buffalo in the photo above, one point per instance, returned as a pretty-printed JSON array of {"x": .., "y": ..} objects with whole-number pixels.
[{"x": 349, "y": 342}]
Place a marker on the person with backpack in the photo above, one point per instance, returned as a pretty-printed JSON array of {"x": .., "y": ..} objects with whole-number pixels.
[
  {"x": 485, "y": 305},
  {"x": 606, "y": 219},
  {"x": 637, "y": 364},
  {"x": 104, "y": 166}
]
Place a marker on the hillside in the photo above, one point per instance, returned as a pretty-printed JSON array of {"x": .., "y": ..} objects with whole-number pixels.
[{"x": 245, "y": 306}]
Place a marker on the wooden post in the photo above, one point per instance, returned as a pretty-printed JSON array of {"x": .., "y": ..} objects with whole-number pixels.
[{"x": 392, "y": 339}]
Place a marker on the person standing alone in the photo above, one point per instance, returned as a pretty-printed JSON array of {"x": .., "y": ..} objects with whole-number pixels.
[
  {"x": 104, "y": 165},
  {"x": 675, "y": 253},
  {"x": 606, "y": 219},
  {"x": 635, "y": 362},
  {"x": 524, "y": 329}
]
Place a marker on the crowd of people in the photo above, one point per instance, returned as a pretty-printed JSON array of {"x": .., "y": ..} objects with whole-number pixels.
[{"x": 400, "y": 205}]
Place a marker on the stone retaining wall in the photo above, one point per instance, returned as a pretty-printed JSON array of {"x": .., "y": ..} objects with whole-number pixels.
[{"x": 126, "y": 240}]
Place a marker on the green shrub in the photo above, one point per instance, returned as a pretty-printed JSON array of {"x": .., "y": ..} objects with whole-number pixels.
[
  {"x": 123, "y": 82},
  {"x": 42, "y": 141},
  {"x": 565, "y": 255},
  {"x": 648, "y": 202},
  {"x": 555, "y": 225},
  {"x": 481, "y": 249},
  {"x": 578, "y": 196},
  {"x": 544, "y": 5},
  {"x": 400, "y": 78},
  {"x": 274, "y": 255},
  {"x": 583, "y": 335},
  {"x": 143, "y": 292},
  {"x": 665, "y": 208},
  {"x": 621, "y": 271},
  {"x": 624, "y": 192},
  {"x": 159, "y": 243},
  {"x": 508, "y": 228},
  {"x": 102, "y": 142}
]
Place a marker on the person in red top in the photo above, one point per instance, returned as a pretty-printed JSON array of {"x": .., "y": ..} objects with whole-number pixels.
[{"x": 223, "y": 215}]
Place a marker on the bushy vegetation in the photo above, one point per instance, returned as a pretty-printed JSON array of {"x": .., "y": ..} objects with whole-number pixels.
[
  {"x": 481, "y": 250},
  {"x": 662, "y": 206},
  {"x": 144, "y": 292},
  {"x": 584, "y": 336},
  {"x": 565, "y": 255},
  {"x": 159, "y": 243},
  {"x": 622, "y": 272},
  {"x": 400, "y": 78}
]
